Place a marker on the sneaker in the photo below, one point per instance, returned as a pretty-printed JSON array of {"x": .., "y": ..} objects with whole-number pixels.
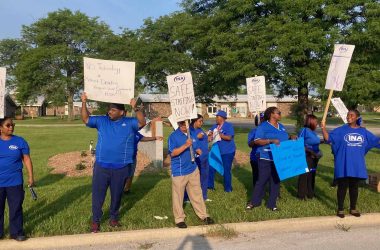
[
  {"x": 181, "y": 224},
  {"x": 19, "y": 237},
  {"x": 114, "y": 223},
  {"x": 249, "y": 206},
  {"x": 95, "y": 227},
  {"x": 355, "y": 213},
  {"x": 273, "y": 209},
  {"x": 208, "y": 221},
  {"x": 340, "y": 214}
]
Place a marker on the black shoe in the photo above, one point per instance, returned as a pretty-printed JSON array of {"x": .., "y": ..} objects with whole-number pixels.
[
  {"x": 340, "y": 214},
  {"x": 355, "y": 213},
  {"x": 208, "y": 221},
  {"x": 273, "y": 209},
  {"x": 249, "y": 206},
  {"x": 181, "y": 224},
  {"x": 19, "y": 237}
]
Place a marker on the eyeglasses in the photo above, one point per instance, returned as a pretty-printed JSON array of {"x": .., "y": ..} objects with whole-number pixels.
[{"x": 10, "y": 125}]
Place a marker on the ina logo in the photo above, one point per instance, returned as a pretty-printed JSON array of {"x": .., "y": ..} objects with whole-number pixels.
[
  {"x": 179, "y": 78},
  {"x": 13, "y": 147},
  {"x": 354, "y": 139},
  {"x": 123, "y": 125},
  {"x": 256, "y": 80},
  {"x": 343, "y": 49}
]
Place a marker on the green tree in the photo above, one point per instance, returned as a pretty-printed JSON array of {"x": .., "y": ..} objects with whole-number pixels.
[{"x": 53, "y": 65}]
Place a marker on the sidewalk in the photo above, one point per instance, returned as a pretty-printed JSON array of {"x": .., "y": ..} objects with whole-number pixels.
[{"x": 283, "y": 225}]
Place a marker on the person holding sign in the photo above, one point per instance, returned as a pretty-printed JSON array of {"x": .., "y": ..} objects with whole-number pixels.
[
  {"x": 306, "y": 182},
  {"x": 14, "y": 151},
  {"x": 254, "y": 155},
  {"x": 114, "y": 158},
  {"x": 270, "y": 131},
  {"x": 223, "y": 134},
  {"x": 185, "y": 175},
  {"x": 350, "y": 143}
]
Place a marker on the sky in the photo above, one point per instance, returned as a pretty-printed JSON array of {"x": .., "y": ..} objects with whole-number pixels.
[{"x": 116, "y": 13}]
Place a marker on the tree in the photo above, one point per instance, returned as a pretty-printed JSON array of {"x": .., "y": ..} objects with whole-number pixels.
[{"x": 53, "y": 65}]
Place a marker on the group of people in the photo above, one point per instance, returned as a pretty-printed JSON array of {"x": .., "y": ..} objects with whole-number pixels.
[{"x": 191, "y": 174}]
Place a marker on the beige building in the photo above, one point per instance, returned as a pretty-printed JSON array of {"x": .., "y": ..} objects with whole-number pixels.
[{"x": 235, "y": 106}]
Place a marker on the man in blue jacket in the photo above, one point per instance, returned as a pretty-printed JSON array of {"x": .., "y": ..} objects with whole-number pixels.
[
  {"x": 185, "y": 175},
  {"x": 114, "y": 158}
]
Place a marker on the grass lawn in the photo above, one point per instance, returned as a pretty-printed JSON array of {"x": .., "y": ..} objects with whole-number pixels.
[{"x": 64, "y": 204}]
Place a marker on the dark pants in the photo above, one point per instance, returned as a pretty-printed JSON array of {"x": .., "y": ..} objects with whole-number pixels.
[
  {"x": 15, "y": 197},
  {"x": 203, "y": 167},
  {"x": 306, "y": 182},
  {"x": 227, "y": 165},
  {"x": 267, "y": 174},
  {"x": 353, "y": 186},
  {"x": 255, "y": 172},
  {"x": 102, "y": 179}
]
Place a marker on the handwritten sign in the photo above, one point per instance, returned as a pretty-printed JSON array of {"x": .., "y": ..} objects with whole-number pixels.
[
  {"x": 181, "y": 96},
  {"x": 341, "y": 108},
  {"x": 3, "y": 74},
  {"x": 256, "y": 93},
  {"x": 289, "y": 158},
  {"x": 339, "y": 66},
  {"x": 109, "y": 81}
]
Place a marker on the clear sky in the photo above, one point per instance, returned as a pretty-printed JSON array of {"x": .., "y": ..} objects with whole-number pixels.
[{"x": 116, "y": 13}]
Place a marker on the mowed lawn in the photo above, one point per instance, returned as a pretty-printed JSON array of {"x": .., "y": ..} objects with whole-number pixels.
[{"x": 64, "y": 203}]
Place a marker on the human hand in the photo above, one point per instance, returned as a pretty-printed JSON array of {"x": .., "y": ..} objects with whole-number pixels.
[
  {"x": 159, "y": 138},
  {"x": 189, "y": 142},
  {"x": 83, "y": 97}
]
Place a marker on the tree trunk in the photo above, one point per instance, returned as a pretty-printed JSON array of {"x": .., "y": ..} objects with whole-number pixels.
[
  {"x": 70, "y": 106},
  {"x": 303, "y": 104}
]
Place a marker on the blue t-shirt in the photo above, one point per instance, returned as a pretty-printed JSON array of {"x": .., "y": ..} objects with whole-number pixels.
[
  {"x": 137, "y": 140},
  {"x": 181, "y": 164},
  {"x": 202, "y": 143},
  {"x": 311, "y": 139},
  {"x": 11, "y": 153},
  {"x": 349, "y": 146},
  {"x": 251, "y": 136},
  {"x": 267, "y": 131},
  {"x": 226, "y": 147},
  {"x": 116, "y": 140}
]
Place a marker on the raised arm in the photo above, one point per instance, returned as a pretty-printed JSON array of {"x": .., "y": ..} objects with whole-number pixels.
[
  {"x": 324, "y": 132},
  {"x": 84, "y": 112}
]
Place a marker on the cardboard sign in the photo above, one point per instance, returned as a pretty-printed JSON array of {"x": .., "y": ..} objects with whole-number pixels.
[
  {"x": 256, "y": 93},
  {"x": 3, "y": 74},
  {"x": 341, "y": 108},
  {"x": 109, "y": 81},
  {"x": 289, "y": 158},
  {"x": 173, "y": 122},
  {"x": 339, "y": 66},
  {"x": 181, "y": 96}
]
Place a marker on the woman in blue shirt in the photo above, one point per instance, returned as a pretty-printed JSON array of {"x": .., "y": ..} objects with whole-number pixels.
[
  {"x": 306, "y": 182},
  {"x": 270, "y": 131},
  {"x": 350, "y": 143},
  {"x": 14, "y": 151}
]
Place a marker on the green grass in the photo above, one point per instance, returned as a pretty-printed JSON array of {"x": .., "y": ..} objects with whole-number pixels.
[{"x": 64, "y": 204}]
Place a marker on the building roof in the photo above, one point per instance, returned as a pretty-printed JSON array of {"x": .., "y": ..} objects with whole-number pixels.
[{"x": 150, "y": 98}]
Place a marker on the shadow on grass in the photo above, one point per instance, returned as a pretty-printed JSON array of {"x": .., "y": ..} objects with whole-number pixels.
[
  {"x": 43, "y": 210},
  {"x": 49, "y": 179},
  {"x": 141, "y": 187}
]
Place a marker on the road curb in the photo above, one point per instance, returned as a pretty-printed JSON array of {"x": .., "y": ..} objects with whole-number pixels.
[{"x": 283, "y": 225}]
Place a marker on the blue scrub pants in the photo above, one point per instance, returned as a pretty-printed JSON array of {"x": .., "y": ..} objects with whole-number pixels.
[
  {"x": 227, "y": 165},
  {"x": 267, "y": 174},
  {"x": 102, "y": 179},
  {"x": 15, "y": 197}
]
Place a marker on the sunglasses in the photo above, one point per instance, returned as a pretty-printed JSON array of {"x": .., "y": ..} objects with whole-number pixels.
[{"x": 9, "y": 125}]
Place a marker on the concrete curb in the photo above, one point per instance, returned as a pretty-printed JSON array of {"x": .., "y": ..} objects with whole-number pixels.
[{"x": 283, "y": 225}]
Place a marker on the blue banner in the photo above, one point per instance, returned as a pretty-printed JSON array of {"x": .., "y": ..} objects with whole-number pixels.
[
  {"x": 289, "y": 158},
  {"x": 215, "y": 159}
]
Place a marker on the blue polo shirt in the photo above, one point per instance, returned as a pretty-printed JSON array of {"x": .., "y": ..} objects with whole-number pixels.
[
  {"x": 116, "y": 140},
  {"x": 181, "y": 164},
  {"x": 349, "y": 146},
  {"x": 311, "y": 139},
  {"x": 202, "y": 143},
  {"x": 267, "y": 131},
  {"x": 11, "y": 153},
  {"x": 226, "y": 147},
  {"x": 251, "y": 136}
]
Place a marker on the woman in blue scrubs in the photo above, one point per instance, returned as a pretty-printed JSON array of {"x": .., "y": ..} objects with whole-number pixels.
[
  {"x": 270, "y": 131},
  {"x": 14, "y": 151},
  {"x": 350, "y": 143}
]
